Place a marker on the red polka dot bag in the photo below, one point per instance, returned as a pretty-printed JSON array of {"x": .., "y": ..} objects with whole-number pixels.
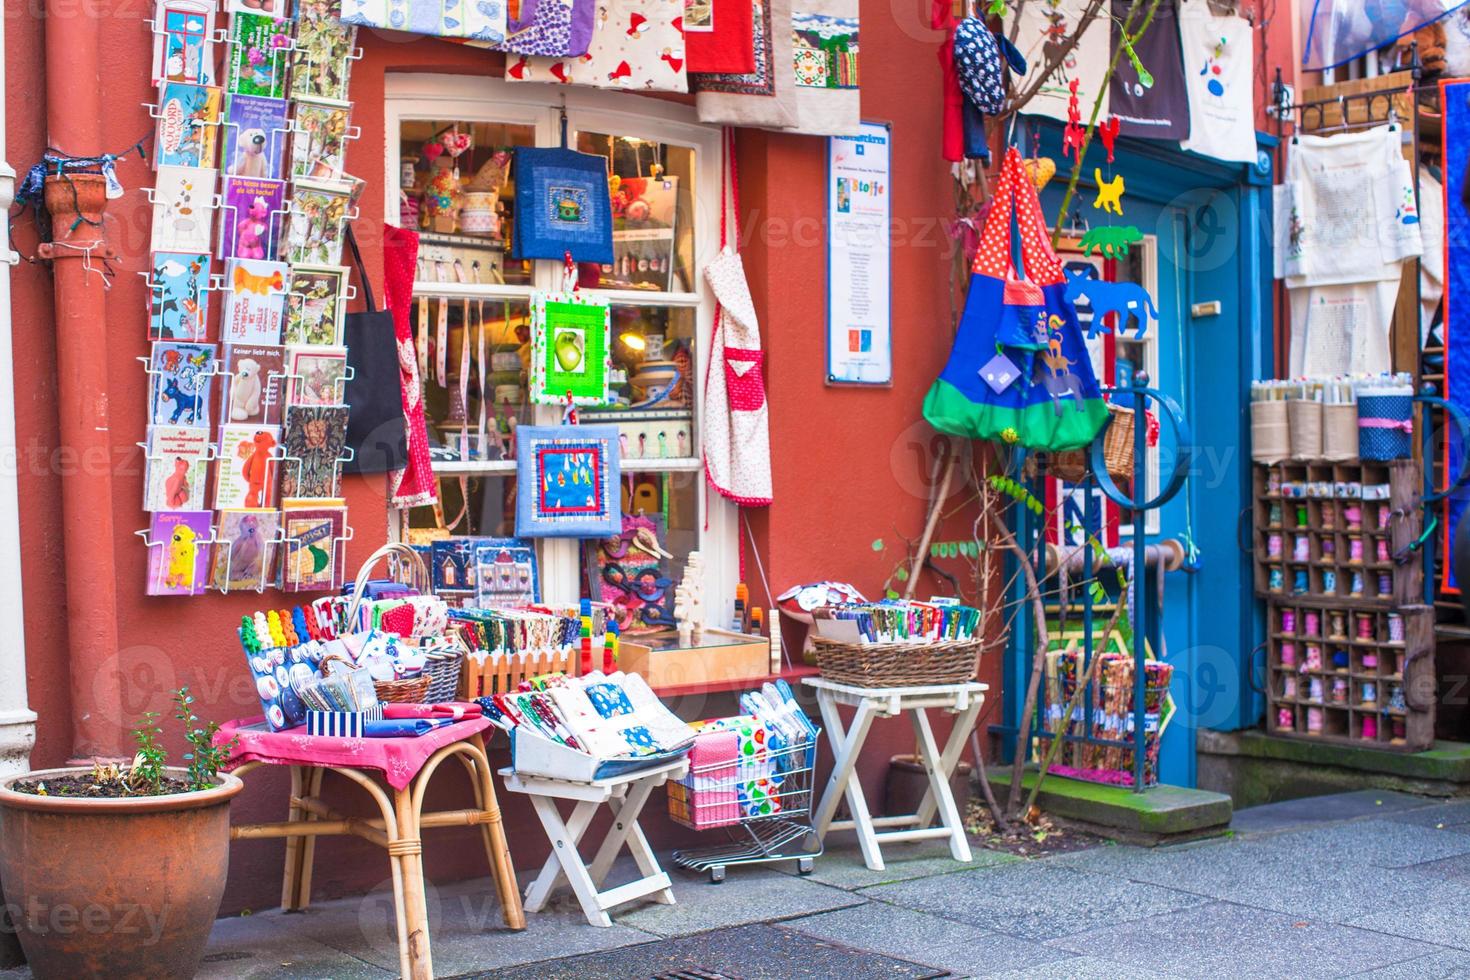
[{"x": 1019, "y": 371}]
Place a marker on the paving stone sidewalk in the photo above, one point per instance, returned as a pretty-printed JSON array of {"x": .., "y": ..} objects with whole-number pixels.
[{"x": 1371, "y": 884}]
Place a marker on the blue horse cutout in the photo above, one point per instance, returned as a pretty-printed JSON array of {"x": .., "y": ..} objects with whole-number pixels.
[{"x": 1127, "y": 299}]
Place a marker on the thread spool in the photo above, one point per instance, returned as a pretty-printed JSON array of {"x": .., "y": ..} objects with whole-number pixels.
[
  {"x": 1277, "y": 580},
  {"x": 1288, "y": 654},
  {"x": 1313, "y": 622},
  {"x": 1370, "y": 694},
  {"x": 1314, "y": 657},
  {"x": 1340, "y": 660},
  {"x": 1329, "y": 549},
  {"x": 1370, "y": 661},
  {"x": 1284, "y": 719},
  {"x": 1329, "y": 582},
  {"x": 1275, "y": 516},
  {"x": 1398, "y": 729},
  {"x": 1288, "y": 686},
  {"x": 1398, "y": 663},
  {"x": 1339, "y": 690},
  {"x": 1299, "y": 585},
  {"x": 1385, "y": 517},
  {"x": 1288, "y": 620},
  {"x": 1370, "y": 727},
  {"x": 1382, "y": 552},
  {"x": 1356, "y": 589},
  {"x": 1338, "y": 627},
  {"x": 1365, "y": 626},
  {"x": 1329, "y": 515},
  {"x": 1273, "y": 545},
  {"x": 1273, "y": 481},
  {"x": 1355, "y": 551},
  {"x": 1314, "y": 721},
  {"x": 1314, "y": 688},
  {"x": 1395, "y": 628},
  {"x": 1353, "y": 514},
  {"x": 1385, "y": 584},
  {"x": 1301, "y": 515}
]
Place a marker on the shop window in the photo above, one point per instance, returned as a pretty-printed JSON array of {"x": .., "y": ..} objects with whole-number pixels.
[{"x": 453, "y": 169}]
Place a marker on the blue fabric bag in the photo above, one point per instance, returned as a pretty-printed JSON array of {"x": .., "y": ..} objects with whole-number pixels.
[{"x": 562, "y": 205}]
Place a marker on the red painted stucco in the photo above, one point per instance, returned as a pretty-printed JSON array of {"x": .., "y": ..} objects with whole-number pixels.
[{"x": 850, "y": 465}]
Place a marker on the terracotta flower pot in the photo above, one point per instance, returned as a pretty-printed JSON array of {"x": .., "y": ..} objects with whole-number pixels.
[
  {"x": 67, "y": 195},
  {"x": 114, "y": 888}
]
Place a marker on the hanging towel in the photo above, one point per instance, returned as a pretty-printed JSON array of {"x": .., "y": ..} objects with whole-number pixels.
[
  {"x": 638, "y": 45},
  {"x": 414, "y": 485},
  {"x": 719, "y": 36},
  {"x": 1219, "y": 77},
  {"x": 764, "y": 96},
  {"x": 553, "y": 28}
]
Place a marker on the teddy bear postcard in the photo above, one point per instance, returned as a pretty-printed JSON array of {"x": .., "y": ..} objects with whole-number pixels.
[
  {"x": 176, "y": 467},
  {"x": 245, "y": 475},
  {"x": 251, "y": 217},
  {"x": 253, "y": 389},
  {"x": 255, "y": 136}
]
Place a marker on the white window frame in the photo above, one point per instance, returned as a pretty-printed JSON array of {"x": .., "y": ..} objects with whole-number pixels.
[{"x": 477, "y": 99}]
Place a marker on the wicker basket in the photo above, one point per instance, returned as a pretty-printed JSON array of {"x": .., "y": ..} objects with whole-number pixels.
[
  {"x": 411, "y": 690},
  {"x": 1073, "y": 465},
  {"x": 443, "y": 668},
  {"x": 898, "y": 664}
]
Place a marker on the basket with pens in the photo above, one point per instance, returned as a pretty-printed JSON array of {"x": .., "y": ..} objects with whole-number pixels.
[{"x": 897, "y": 643}]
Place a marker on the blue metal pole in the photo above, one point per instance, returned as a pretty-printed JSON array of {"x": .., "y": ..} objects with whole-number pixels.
[{"x": 1138, "y": 614}]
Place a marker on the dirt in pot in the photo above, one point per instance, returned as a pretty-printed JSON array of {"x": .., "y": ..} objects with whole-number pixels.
[{"x": 87, "y": 786}]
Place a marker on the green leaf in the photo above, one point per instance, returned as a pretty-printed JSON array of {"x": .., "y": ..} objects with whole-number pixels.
[
  {"x": 877, "y": 544},
  {"x": 936, "y": 550},
  {"x": 890, "y": 594},
  {"x": 902, "y": 574}
]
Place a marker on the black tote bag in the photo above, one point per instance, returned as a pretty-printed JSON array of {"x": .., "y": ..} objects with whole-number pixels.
[{"x": 376, "y": 429}]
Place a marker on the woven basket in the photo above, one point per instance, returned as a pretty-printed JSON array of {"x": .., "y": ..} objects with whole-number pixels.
[
  {"x": 1074, "y": 465},
  {"x": 897, "y": 664},
  {"x": 411, "y": 690},
  {"x": 442, "y": 667}
]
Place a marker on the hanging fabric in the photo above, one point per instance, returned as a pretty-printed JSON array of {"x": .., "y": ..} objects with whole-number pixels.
[
  {"x": 638, "y": 45},
  {"x": 764, "y": 96},
  {"x": 824, "y": 46},
  {"x": 1219, "y": 63},
  {"x": 562, "y": 205},
  {"x": 1334, "y": 32},
  {"x": 736, "y": 431},
  {"x": 1019, "y": 370},
  {"x": 1044, "y": 31},
  {"x": 1154, "y": 103},
  {"x": 474, "y": 20},
  {"x": 719, "y": 36},
  {"x": 414, "y": 485},
  {"x": 552, "y": 28}
]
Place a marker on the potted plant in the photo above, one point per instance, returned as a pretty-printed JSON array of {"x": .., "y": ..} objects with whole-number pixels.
[{"x": 118, "y": 870}]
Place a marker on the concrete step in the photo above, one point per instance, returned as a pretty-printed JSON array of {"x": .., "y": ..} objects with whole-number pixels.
[{"x": 1163, "y": 814}]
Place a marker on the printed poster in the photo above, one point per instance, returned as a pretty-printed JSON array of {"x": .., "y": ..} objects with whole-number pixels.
[{"x": 859, "y": 255}]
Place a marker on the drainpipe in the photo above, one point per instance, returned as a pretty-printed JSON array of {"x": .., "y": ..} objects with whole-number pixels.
[
  {"x": 74, "y": 126},
  {"x": 17, "y": 720}
]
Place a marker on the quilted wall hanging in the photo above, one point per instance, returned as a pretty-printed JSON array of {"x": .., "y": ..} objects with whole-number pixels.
[
  {"x": 638, "y": 45},
  {"x": 562, "y": 205},
  {"x": 568, "y": 478},
  {"x": 570, "y": 354}
]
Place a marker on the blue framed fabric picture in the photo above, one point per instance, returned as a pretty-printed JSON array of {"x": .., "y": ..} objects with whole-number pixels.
[
  {"x": 562, "y": 205},
  {"x": 568, "y": 479}
]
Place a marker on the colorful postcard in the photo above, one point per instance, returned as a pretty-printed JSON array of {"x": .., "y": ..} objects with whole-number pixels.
[
  {"x": 244, "y": 551},
  {"x": 254, "y": 301},
  {"x": 314, "y": 304},
  {"x": 187, "y": 125},
  {"x": 319, "y": 139},
  {"x": 314, "y": 229},
  {"x": 183, "y": 41},
  {"x": 505, "y": 573},
  {"x": 321, "y": 62},
  {"x": 255, "y": 136},
  {"x": 315, "y": 549},
  {"x": 178, "y": 552},
  {"x": 315, "y": 437},
  {"x": 452, "y": 566},
  {"x": 253, "y": 388},
  {"x": 315, "y": 375},
  {"x": 180, "y": 378},
  {"x": 176, "y": 467},
  {"x": 246, "y": 474},
  {"x": 570, "y": 351},
  {"x": 258, "y": 55},
  {"x": 183, "y": 209},
  {"x": 178, "y": 294},
  {"x": 279, "y": 9},
  {"x": 251, "y": 216}
]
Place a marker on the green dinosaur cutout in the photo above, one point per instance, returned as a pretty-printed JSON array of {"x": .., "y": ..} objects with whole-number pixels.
[{"x": 1111, "y": 240}]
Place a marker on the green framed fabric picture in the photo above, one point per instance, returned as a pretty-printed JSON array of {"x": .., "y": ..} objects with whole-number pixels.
[{"x": 570, "y": 350}]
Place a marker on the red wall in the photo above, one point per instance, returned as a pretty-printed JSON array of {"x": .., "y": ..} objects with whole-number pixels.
[{"x": 851, "y": 466}]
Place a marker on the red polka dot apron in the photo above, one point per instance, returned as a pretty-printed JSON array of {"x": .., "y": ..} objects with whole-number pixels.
[{"x": 1019, "y": 370}]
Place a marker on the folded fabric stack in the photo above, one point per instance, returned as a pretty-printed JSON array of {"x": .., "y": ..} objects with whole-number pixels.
[{"x": 607, "y": 716}]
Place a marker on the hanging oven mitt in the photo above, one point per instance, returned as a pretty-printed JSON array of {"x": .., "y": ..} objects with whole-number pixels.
[{"x": 1054, "y": 402}]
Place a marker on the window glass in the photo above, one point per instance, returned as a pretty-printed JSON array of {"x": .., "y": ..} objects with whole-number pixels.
[
  {"x": 652, "y": 187},
  {"x": 652, "y": 384},
  {"x": 454, "y": 183},
  {"x": 637, "y": 571}
]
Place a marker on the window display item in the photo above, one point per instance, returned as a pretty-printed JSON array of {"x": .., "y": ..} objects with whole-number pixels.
[
  {"x": 188, "y": 125},
  {"x": 480, "y": 20},
  {"x": 638, "y": 46},
  {"x": 762, "y": 96},
  {"x": 571, "y": 349},
  {"x": 178, "y": 552},
  {"x": 506, "y": 573},
  {"x": 568, "y": 478},
  {"x": 1058, "y": 405},
  {"x": 562, "y": 205}
]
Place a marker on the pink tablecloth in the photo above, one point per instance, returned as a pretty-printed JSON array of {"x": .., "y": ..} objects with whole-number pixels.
[{"x": 398, "y": 759}]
